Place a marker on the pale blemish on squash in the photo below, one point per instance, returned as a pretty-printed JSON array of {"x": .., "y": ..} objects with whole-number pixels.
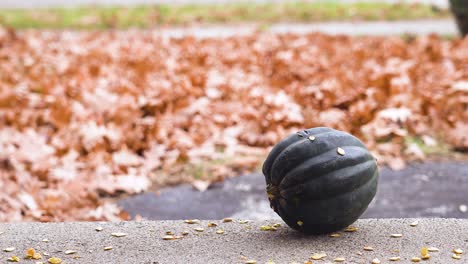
[{"x": 340, "y": 151}]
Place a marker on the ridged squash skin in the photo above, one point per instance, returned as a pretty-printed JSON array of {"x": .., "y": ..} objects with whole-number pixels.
[
  {"x": 460, "y": 11},
  {"x": 320, "y": 180}
]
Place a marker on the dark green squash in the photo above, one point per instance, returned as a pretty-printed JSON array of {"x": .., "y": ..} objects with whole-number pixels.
[
  {"x": 460, "y": 11},
  {"x": 320, "y": 180}
]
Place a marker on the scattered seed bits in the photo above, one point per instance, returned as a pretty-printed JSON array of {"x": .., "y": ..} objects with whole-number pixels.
[
  {"x": 277, "y": 225},
  {"x": 45, "y": 240},
  {"x": 184, "y": 233},
  {"x": 169, "y": 233},
  {"x": 415, "y": 223},
  {"x": 300, "y": 223},
  {"x": 432, "y": 249},
  {"x": 396, "y": 235},
  {"x": 211, "y": 224},
  {"x": 318, "y": 256},
  {"x": 108, "y": 248},
  {"x": 426, "y": 257},
  {"x": 415, "y": 259},
  {"x": 251, "y": 261},
  {"x": 227, "y": 220},
  {"x": 394, "y": 258},
  {"x": 13, "y": 259},
  {"x": 456, "y": 256},
  {"x": 69, "y": 252},
  {"x": 335, "y": 235},
  {"x": 169, "y": 237},
  {"x": 199, "y": 229},
  {"x": 267, "y": 228},
  {"x": 311, "y": 138},
  {"x": 340, "y": 151},
  {"x": 367, "y": 248},
  {"x": 351, "y": 229},
  {"x": 458, "y": 251},
  {"x": 54, "y": 260},
  {"x": 30, "y": 252},
  {"x": 424, "y": 251},
  {"x": 220, "y": 231},
  {"x": 191, "y": 221},
  {"x": 339, "y": 259},
  {"x": 9, "y": 249},
  {"x": 99, "y": 228},
  {"x": 243, "y": 221},
  {"x": 376, "y": 261},
  {"x": 118, "y": 234}
]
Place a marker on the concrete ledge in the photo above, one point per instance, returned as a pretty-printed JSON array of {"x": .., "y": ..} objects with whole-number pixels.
[
  {"x": 373, "y": 28},
  {"x": 144, "y": 244}
]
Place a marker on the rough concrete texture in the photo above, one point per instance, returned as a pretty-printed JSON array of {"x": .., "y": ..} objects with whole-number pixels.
[{"x": 240, "y": 242}]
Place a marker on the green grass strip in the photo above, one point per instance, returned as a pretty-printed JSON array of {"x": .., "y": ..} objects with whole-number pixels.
[{"x": 266, "y": 13}]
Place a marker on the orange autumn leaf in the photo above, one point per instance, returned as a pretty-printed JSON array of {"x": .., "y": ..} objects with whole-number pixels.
[{"x": 86, "y": 114}]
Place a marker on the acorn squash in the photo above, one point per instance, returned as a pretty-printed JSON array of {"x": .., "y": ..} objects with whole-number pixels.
[
  {"x": 320, "y": 180},
  {"x": 460, "y": 11}
]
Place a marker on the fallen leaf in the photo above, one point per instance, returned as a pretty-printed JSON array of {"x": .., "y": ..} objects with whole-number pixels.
[{"x": 201, "y": 186}]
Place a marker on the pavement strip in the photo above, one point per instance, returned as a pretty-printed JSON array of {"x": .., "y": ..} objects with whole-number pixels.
[
  {"x": 444, "y": 27},
  {"x": 445, "y": 240},
  {"x": 429, "y": 189}
]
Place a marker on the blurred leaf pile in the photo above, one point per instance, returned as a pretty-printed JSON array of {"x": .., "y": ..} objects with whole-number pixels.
[{"x": 85, "y": 115}]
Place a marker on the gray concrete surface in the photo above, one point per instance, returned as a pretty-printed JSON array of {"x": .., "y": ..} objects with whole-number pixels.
[
  {"x": 240, "y": 242},
  {"x": 430, "y": 189},
  {"x": 376, "y": 28},
  {"x": 55, "y": 3}
]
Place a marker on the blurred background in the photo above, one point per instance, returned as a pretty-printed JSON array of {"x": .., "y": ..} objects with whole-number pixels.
[{"x": 154, "y": 109}]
